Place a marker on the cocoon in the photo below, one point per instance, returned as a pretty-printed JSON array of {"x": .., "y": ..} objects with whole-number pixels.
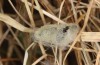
[{"x": 56, "y": 34}]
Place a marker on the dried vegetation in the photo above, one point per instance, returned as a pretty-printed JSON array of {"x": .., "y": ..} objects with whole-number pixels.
[{"x": 19, "y": 18}]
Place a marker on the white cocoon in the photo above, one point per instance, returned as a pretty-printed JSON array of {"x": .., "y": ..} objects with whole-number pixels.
[{"x": 56, "y": 34}]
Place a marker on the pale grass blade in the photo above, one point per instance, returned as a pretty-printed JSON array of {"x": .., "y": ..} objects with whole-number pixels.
[
  {"x": 90, "y": 36},
  {"x": 10, "y": 21}
]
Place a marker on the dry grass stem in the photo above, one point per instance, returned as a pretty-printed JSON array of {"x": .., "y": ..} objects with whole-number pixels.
[
  {"x": 90, "y": 37},
  {"x": 41, "y": 13},
  {"x": 29, "y": 12},
  {"x": 8, "y": 20},
  {"x": 19, "y": 14}
]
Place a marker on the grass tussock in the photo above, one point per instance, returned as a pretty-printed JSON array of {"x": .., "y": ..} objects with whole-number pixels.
[{"x": 20, "y": 18}]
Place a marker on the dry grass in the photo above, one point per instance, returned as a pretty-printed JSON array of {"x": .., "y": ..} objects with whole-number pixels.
[{"x": 15, "y": 28}]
